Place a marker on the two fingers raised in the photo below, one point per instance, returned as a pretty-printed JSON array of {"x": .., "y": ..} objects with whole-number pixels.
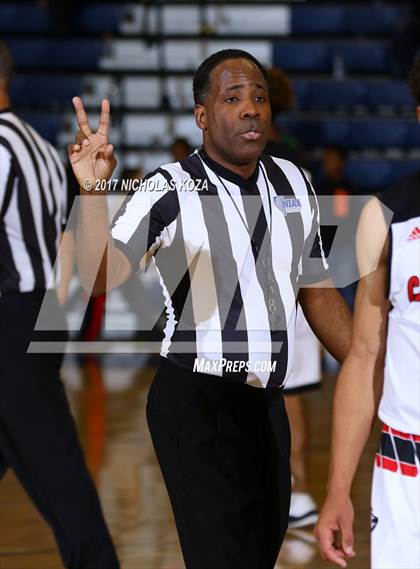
[
  {"x": 83, "y": 122},
  {"x": 85, "y": 132}
]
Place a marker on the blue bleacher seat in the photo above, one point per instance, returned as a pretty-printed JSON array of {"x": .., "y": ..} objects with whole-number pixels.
[
  {"x": 336, "y": 132},
  {"x": 335, "y": 94},
  {"x": 47, "y": 125},
  {"x": 402, "y": 168},
  {"x": 309, "y": 133},
  {"x": 396, "y": 133},
  {"x": 80, "y": 53},
  {"x": 369, "y": 56},
  {"x": 365, "y": 20},
  {"x": 369, "y": 175},
  {"x": 7, "y": 17},
  {"x": 316, "y": 133},
  {"x": 101, "y": 17},
  {"x": 57, "y": 53},
  {"x": 413, "y": 134},
  {"x": 329, "y": 94},
  {"x": 356, "y": 134},
  {"x": 389, "y": 93},
  {"x": 336, "y": 19},
  {"x": 318, "y": 56},
  {"x": 28, "y": 53},
  {"x": 48, "y": 90},
  {"x": 31, "y": 17},
  {"x": 374, "y": 175},
  {"x": 302, "y": 56},
  {"x": 23, "y": 18},
  {"x": 301, "y": 88},
  {"x": 317, "y": 20},
  {"x": 378, "y": 134}
]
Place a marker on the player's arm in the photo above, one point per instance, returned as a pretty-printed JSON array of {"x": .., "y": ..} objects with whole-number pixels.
[
  {"x": 358, "y": 389},
  {"x": 102, "y": 265},
  {"x": 329, "y": 317}
]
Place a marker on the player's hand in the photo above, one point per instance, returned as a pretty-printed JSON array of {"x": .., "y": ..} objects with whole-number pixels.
[
  {"x": 334, "y": 530},
  {"x": 91, "y": 158}
]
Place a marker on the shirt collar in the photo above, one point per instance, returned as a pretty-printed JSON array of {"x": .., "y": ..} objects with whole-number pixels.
[{"x": 228, "y": 175}]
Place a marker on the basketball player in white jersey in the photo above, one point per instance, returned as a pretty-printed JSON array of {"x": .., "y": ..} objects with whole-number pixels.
[{"x": 382, "y": 368}]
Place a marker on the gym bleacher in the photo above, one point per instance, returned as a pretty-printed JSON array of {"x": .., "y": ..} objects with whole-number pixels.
[{"x": 142, "y": 57}]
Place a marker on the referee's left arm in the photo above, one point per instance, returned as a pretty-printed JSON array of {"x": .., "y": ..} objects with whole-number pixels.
[
  {"x": 323, "y": 306},
  {"x": 329, "y": 317}
]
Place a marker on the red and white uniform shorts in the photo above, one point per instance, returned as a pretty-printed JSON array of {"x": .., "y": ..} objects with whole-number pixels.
[{"x": 395, "y": 542}]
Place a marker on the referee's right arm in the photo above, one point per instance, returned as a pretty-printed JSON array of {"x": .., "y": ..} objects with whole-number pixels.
[{"x": 101, "y": 264}]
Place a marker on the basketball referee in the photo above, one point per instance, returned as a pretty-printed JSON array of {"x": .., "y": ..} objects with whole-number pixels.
[
  {"x": 38, "y": 439},
  {"x": 233, "y": 253}
]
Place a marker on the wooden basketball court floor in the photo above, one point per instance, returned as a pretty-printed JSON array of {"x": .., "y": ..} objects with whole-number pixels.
[{"x": 109, "y": 405}]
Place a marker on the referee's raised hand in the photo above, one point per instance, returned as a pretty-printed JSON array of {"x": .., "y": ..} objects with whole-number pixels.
[{"x": 92, "y": 157}]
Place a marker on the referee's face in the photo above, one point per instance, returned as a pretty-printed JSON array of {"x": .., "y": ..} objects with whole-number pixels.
[{"x": 236, "y": 115}]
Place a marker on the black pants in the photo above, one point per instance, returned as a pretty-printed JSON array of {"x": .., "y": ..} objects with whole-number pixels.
[
  {"x": 224, "y": 452},
  {"x": 38, "y": 438}
]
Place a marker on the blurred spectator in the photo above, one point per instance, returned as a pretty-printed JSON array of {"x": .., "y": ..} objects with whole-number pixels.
[
  {"x": 282, "y": 144},
  {"x": 131, "y": 174},
  {"x": 406, "y": 39},
  {"x": 180, "y": 149},
  {"x": 333, "y": 177},
  {"x": 334, "y": 182},
  {"x": 342, "y": 211}
]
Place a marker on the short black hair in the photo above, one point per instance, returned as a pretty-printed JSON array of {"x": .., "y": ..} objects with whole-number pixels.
[
  {"x": 414, "y": 79},
  {"x": 282, "y": 96},
  {"x": 7, "y": 65},
  {"x": 181, "y": 140},
  {"x": 201, "y": 80}
]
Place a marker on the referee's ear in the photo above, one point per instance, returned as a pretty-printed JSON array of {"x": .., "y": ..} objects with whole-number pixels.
[
  {"x": 200, "y": 116},
  {"x": 418, "y": 113}
]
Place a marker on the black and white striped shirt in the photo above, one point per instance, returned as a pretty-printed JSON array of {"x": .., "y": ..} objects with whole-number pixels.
[
  {"x": 33, "y": 207},
  {"x": 231, "y": 255}
]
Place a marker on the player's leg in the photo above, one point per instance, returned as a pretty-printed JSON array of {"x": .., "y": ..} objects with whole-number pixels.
[{"x": 395, "y": 523}]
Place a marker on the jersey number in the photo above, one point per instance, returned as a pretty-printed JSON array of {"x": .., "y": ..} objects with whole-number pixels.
[{"x": 413, "y": 283}]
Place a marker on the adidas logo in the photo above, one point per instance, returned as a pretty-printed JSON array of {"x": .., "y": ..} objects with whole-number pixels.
[{"x": 415, "y": 234}]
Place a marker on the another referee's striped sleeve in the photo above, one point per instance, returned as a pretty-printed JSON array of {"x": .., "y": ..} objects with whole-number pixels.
[{"x": 5, "y": 173}]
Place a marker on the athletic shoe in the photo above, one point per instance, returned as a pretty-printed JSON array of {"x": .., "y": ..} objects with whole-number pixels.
[{"x": 303, "y": 510}]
